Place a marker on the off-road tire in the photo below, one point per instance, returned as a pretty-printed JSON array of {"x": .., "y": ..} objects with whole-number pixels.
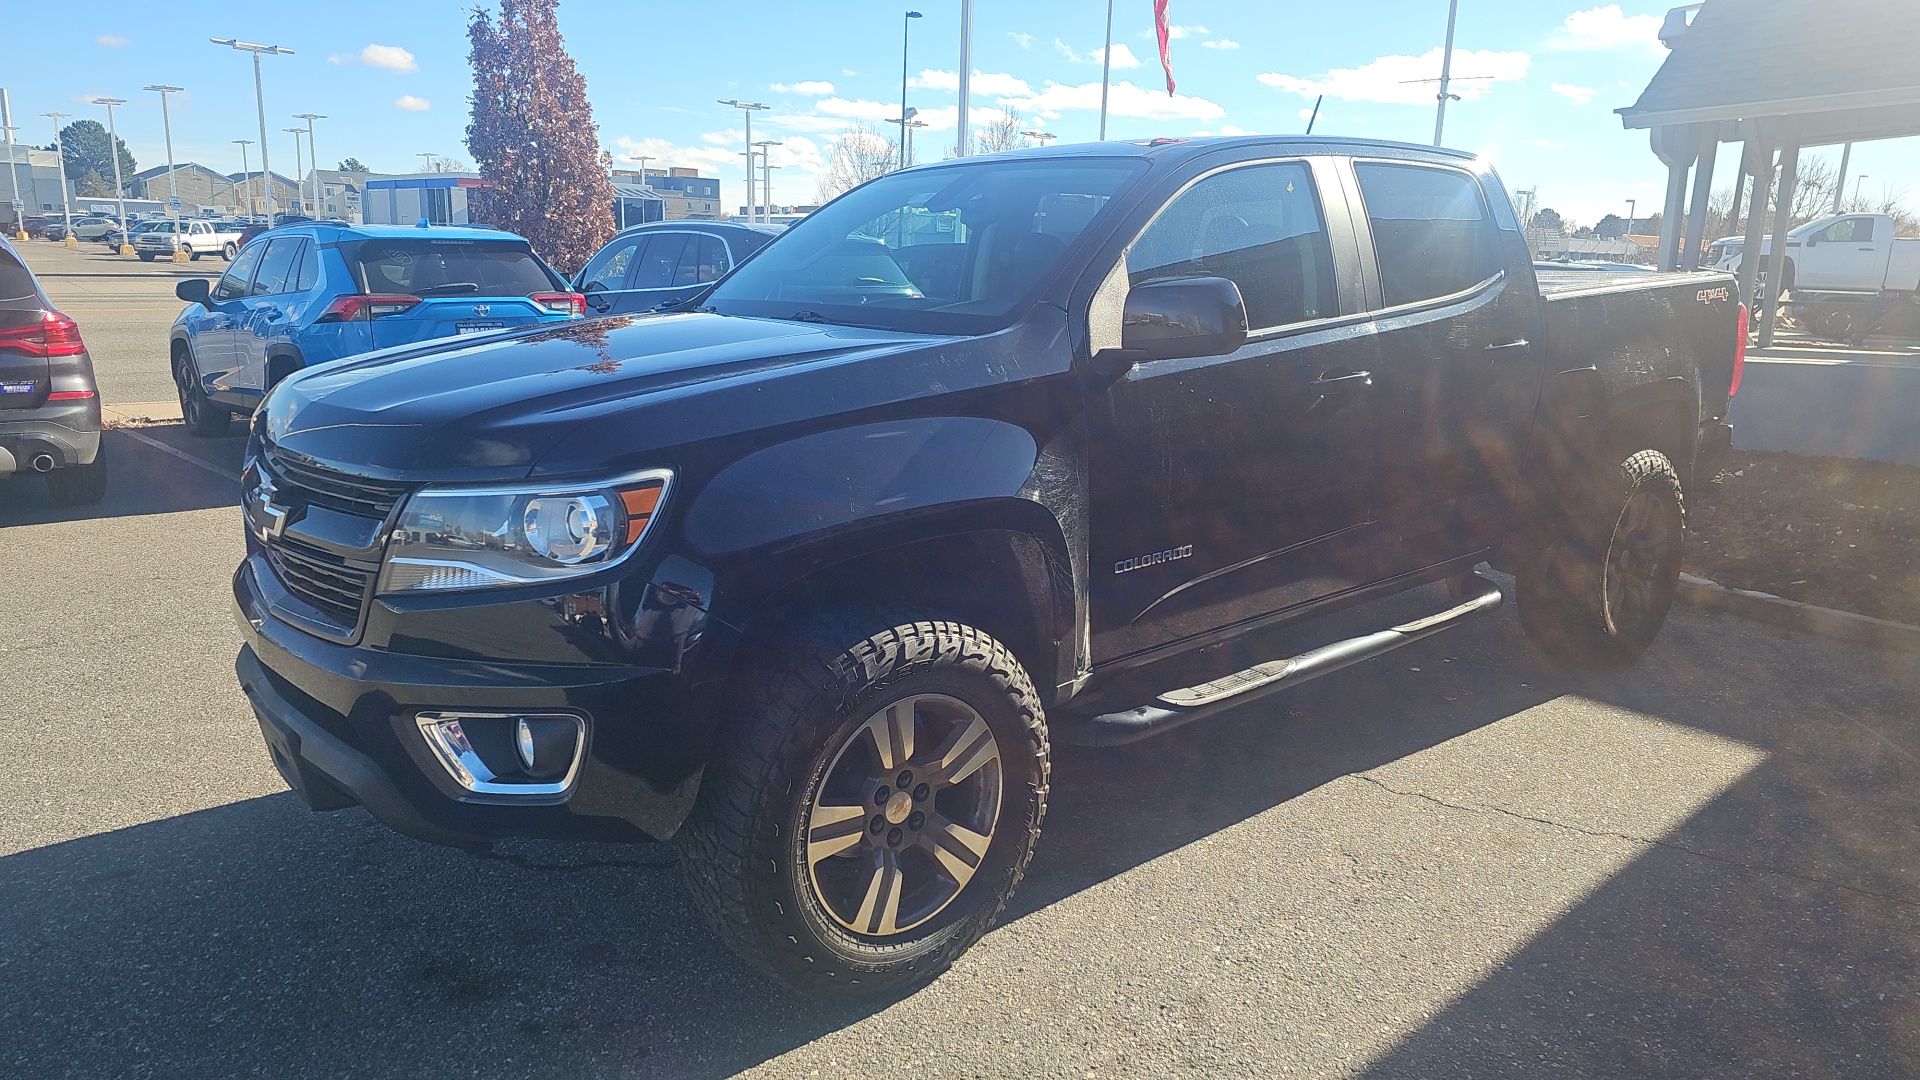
[
  {"x": 80, "y": 485},
  {"x": 202, "y": 416},
  {"x": 1598, "y": 595},
  {"x": 805, "y": 691}
]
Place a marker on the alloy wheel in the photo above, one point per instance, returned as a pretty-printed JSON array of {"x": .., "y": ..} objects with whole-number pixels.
[
  {"x": 1639, "y": 559},
  {"x": 903, "y": 815}
]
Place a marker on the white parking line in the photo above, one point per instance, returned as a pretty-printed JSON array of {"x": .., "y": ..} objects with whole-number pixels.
[{"x": 181, "y": 454}]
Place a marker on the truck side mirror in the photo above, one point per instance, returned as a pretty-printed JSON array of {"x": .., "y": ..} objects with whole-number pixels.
[
  {"x": 1195, "y": 316},
  {"x": 194, "y": 290}
]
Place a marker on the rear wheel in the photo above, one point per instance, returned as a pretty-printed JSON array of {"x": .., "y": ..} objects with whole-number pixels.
[
  {"x": 1600, "y": 593},
  {"x": 202, "y": 416},
  {"x": 875, "y": 805},
  {"x": 80, "y": 485}
]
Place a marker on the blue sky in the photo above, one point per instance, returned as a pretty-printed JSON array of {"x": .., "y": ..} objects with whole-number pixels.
[{"x": 1545, "y": 76}]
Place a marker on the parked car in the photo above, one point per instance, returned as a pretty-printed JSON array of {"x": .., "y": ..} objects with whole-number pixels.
[
  {"x": 115, "y": 237},
  {"x": 196, "y": 238},
  {"x": 57, "y": 227},
  {"x": 35, "y": 226},
  {"x": 1846, "y": 273},
  {"x": 94, "y": 226},
  {"x": 666, "y": 262},
  {"x": 982, "y": 457},
  {"x": 303, "y": 295},
  {"x": 49, "y": 403}
]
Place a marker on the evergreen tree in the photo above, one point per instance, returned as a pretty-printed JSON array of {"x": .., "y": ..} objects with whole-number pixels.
[
  {"x": 533, "y": 136},
  {"x": 352, "y": 164},
  {"x": 85, "y": 145}
]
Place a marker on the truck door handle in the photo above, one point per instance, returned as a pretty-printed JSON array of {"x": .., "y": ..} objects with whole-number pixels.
[{"x": 1520, "y": 344}]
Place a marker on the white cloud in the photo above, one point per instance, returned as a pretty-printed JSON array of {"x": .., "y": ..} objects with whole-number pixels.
[
  {"x": 721, "y": 138},
  {"x": 989, "y": 83},
  {"x": 810, "y": 88},
  {"x": 1175, "y": 33},
  {"x": 661, "y": 154},
  {"x": 1222, "y": 44},
  {"x": 112, "y": 41},
  {"x": 391, "y": 57},
  {"x": 857, "y": 110},
  {"x": 411, "y": 103},
  {"x": 1025, "y": 41},
  {"x": 1607, "y": 28},
  {"x": 1122, "y": 56},
  {"x": 1579, "y": 95},
  {"x": 1400, "y": 80},
  {"x": 1066, "y": 50}
]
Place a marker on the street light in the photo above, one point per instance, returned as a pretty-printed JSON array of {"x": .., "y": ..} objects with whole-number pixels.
[
  {"x": 166, "y": 125},
  {"x": 13, "y": 174},
  {"x": 313, "y": 155},
  {"x": 747, "y": 108},
  {"x": 966, "y": 75},
  {"x": 113, "y": 151},
  {"x": 1627, "y": 236},
  {"x": 909, "y": 126},
  {"x": 66, "y": 206},
  {"x": 766, "y": 177},
  {"x": 296, "y": 133},
  {"x": 905, "y": 25},
  {"x": 246, "y": 175},
  {"x": 260, "y": 99},
  {"x": 1856, "y": 188},
  {"x": 429, "y": 155}
]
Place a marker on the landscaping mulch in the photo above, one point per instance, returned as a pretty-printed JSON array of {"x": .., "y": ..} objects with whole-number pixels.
[{"x": 1829, "y": 531}]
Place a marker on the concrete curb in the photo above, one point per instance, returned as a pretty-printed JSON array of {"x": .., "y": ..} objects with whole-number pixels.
[
  {"x": 134, "y": 413},
  {"x": 1794, "y": 615}
]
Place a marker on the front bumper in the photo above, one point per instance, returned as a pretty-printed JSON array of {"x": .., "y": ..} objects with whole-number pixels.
[{"x": 340, "y": 723}]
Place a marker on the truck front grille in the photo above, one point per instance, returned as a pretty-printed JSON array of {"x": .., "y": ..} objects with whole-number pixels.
[
  {"x": 324, "y": 581},
  {"x": 318, "y": 484}
]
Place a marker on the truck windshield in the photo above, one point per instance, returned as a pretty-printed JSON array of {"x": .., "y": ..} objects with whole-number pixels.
[
  {"x": 944, "y": 250},
  {"x": 446, "y": 267}
]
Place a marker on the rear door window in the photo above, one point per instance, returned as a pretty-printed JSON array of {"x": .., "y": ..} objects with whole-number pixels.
[
  {"x": 446, "y": 267},
  {"x": 1258, "y": 226},
  {"x": 656, "y": 265},
  {"x": 703, "y": 259},
  {"x": 1430, "y": 231},
  {"x": 278, "y": 268}
]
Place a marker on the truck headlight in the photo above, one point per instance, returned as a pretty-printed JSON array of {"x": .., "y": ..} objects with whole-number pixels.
[{"x": 458, "y": 538}]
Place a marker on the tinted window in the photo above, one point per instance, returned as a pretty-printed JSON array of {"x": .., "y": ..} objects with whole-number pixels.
[
  {"x": 446, "y": 267},
  {"x": 702, "y": 260},
  {"x": 233, "y": 284},
  {"x": 657, "y": 261},
  {"x": 608, "y": 269},
  {"x": 950, "y": 249},
  {"x": 18, "y": 291},
  {"x": 1259, "y": 227},
  {"x": 308, "y": 275},
  {"x": 1430, "y": 230},
  {"x": 277, "y": 268}
]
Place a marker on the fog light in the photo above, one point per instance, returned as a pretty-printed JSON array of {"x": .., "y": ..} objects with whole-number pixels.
[
  {"x": 546, "y": 744},
  {"x": 505, "y": 754}
]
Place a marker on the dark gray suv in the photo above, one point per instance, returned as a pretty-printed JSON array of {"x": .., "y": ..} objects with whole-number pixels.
[
  {"x": 666, "y": 262},
  {"x": 49, "y": 404}
]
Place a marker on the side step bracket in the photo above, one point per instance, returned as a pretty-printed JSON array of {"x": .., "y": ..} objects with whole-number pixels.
[{"x": 1190, "y": 703}]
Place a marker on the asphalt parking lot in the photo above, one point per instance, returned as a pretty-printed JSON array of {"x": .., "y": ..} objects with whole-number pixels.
[{"x": 1451, "y": 863}]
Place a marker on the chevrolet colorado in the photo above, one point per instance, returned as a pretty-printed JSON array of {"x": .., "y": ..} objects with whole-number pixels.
[{"x": 810, "y": 572}]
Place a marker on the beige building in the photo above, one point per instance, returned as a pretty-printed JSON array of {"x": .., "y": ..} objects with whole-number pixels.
[{"x": 685, "y": 193}]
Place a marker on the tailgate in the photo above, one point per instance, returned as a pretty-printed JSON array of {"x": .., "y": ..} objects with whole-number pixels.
[{"x": 441, "y": 317}]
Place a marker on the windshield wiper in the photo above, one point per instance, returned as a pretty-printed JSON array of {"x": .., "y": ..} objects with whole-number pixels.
[{"x": 808, "y": 316}]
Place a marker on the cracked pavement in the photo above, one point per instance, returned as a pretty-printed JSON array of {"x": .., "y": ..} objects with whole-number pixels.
[{"x": 1453, "y": 862}]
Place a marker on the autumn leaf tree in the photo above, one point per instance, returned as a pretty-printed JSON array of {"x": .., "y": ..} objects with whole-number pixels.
[{"x": 533, "y": 136}]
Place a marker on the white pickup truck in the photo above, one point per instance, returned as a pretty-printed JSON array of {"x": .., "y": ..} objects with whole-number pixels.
[
  {"x": 196, "y": 238},
  {"x": 1846, "y": 273}
]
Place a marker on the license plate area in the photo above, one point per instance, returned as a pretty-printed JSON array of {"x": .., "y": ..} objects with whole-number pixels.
[{"x": 477, "y": 327}]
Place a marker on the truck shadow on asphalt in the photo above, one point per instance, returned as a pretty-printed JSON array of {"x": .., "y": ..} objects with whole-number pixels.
[
  {"x": 259, "y": 937},
  {"x": 141, "y": 480}
]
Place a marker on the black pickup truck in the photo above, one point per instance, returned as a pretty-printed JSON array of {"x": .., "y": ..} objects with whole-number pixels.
[{"x": 1041, "y": 447}]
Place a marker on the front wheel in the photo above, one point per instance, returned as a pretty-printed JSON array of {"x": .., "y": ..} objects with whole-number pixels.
[
  {"x": 1599, "y": 594},
  {"x": 200, "y": 414},
  {"x": 229, "y": 252},
  {"x": 874, "y": 806}
]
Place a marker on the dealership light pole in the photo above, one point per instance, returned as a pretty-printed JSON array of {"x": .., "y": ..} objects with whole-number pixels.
[
  {"x": 906, "y": 25},
  {"x": 113, "y": 151},
  {"x": 747, "y": 109},
  {"x": 1041, "y": 137},
  {"x": 20, "y": 204},
  {"x": 166, "y": 125},
  {"x": 246, "y": 176},
  {"x": 766, "y": 177},
  {"x": 966, "y": 75},
  {"x": 60, "y": 151},
  {"x": 296, "y": 133},
  {"x": 1106, "y": 71},
  {"x": 259, "y": 99},
  {"x": 313, "y": 155}
]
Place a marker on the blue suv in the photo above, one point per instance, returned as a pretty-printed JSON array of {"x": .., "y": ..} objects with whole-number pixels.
[{"x": 303, "y": 295}]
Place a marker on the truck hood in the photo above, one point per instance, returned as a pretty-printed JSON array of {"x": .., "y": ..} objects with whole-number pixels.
[{"x": 601, "y": 393}]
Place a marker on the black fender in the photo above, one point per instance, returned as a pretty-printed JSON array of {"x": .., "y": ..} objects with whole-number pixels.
[{"x": 941, "y": 510}]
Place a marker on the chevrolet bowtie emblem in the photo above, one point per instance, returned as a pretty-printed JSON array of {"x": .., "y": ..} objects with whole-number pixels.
[{"x": 270, "y": 517}]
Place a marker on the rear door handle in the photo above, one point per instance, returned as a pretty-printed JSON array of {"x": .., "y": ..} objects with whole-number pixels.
[
  {"x": 1328, "y": 385},
  {"x": 1520, "y": 344}
]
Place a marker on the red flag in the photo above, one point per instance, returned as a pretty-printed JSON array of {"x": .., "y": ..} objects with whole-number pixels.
[{"x": 1160, "y": 28}]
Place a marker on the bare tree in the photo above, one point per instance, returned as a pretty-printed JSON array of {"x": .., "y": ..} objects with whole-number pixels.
[
  {"x": 1002, "y": 133},
  {"x": 860, "y": 154}
]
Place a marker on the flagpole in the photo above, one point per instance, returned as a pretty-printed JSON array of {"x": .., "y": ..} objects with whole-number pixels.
[
  {"x": 1446, "y": 73},
  {"x": 1106, "y": 68}
]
